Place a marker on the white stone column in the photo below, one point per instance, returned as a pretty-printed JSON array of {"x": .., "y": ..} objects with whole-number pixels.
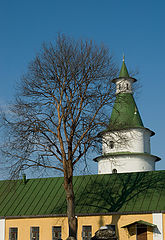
[
  {"x": 158, "y": 231},
  {"x": 2, "y": 229}
]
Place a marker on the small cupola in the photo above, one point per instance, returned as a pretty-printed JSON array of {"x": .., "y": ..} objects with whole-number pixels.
[{"x": 124, "y": 81}]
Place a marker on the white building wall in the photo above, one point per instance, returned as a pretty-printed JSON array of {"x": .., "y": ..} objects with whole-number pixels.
[
  {"x": 158, "y": 231},
  {"x": 131, "y": 140},
  {"x": 147, "y": 146},
  {"x": 126, "y": 163},
  {"x": 2, "y": 229}
]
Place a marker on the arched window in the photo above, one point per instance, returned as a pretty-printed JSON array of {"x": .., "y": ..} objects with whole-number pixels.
[
  {"x": 111, "y": 144},
  {"x": 127, "y": 86},
  {"x": 114, "y": 170}
]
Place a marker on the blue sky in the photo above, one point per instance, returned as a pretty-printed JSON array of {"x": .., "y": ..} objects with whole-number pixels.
[{"x": 133, "y": 27}]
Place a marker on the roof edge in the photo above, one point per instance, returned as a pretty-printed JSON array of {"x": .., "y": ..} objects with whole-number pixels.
[
  {"x": 126, "y": 128},
  {"x": 83, "y": 214},
  {"x": 140, "y": 222},
  {"x": 125, "y": 78},
  {"x": 116, "y": 154}
]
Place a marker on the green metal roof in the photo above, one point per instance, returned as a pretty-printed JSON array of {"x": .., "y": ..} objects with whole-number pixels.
[
  {"x": 123, "y": 71},
  {"x": 94, "y": 194},
  {"x": 125, "y": 112},
  {"x": 140, "y": 222}
]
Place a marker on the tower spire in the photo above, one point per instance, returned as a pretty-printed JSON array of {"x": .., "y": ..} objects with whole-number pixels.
[
  {"x": 123, "y": 71},
  {"x": 123, "y": 58},
  {"x": 124, "y": 81}
]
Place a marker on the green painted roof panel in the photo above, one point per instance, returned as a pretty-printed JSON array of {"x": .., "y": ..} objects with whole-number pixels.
[
  {"x": 123, "y": 71},
  {"x": 140, "y": 222},
  {"x": 125, "y": 113},
  {"x": 127, "y": 192}
]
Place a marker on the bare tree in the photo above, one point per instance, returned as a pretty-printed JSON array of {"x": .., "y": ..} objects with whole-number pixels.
[{"x": 59, "y": 110}]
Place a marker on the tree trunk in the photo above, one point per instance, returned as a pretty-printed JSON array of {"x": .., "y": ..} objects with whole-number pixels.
[
  {"x": 68, "y": 185},
  {"x": 72, "y": 220}
]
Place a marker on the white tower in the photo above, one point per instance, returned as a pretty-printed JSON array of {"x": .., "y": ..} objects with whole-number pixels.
[{"x": 126, "y": 143}]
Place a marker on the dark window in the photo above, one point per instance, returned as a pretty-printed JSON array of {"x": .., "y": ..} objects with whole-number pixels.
[
  {"x": 127, "y": 86},
  {"x": 119, "y": 86},
  {"x": 111, "y": 144},
  {"x": 114, "y": 171},
  {"x": 13, "y": 233},
  {"x": 56, "y": 233},
  {"x": 86, "y": 232},
  {"x": 34, "y": 233},
  {"x": 141, "y": 231}
]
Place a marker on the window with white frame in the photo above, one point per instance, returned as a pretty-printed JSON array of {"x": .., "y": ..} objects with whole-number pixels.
[
  {"x": 56, "y": 232},
  {"x": 13, "y": 233},
  {"x": 86, "y": 232},
  {"x": 34, "y": 233}
]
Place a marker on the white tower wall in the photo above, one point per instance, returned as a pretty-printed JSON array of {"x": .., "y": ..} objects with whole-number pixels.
[
  {"x": 126, "y": 163},
  {"x": 131, "y": 140}
]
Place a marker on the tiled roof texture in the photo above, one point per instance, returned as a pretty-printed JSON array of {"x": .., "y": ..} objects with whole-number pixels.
[{"x": 94, "y": 194}]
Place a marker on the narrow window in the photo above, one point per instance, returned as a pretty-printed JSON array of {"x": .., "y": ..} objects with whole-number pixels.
[
  {"x": 119, "y": 86},
  {"x": 56, "y": 233},
  {"x": 127, "y": 86},
  {"x": 34, "y": 233},
  {"x": 86, "y": 232},
  {"x": 141, "y": 231},
  {"x": 13, "y": 233},
  {"x": 111, "y": 144}
]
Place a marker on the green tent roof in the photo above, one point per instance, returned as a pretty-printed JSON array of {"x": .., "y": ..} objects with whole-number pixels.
[
  {"x": 123, "y": 71},
  {"x": 94, "y": 194},
  {"x": 125, "y": 112}
]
